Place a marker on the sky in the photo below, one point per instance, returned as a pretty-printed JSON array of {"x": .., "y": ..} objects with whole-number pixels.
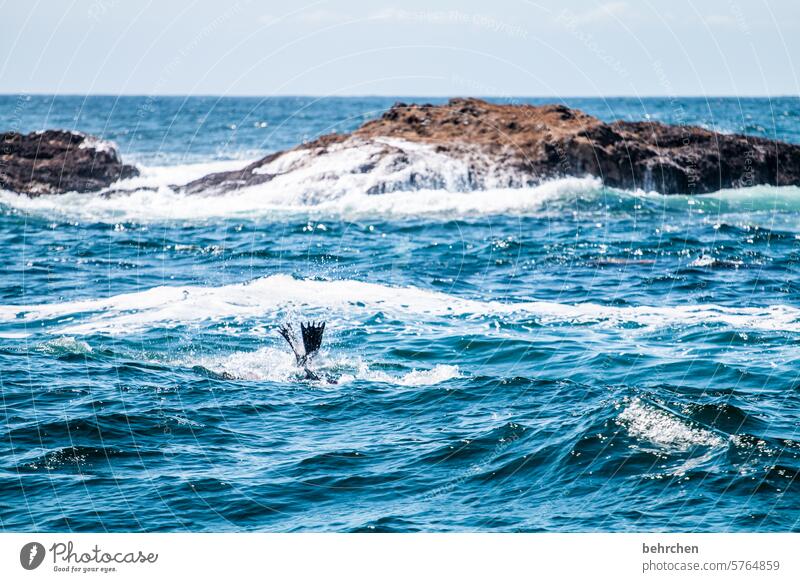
[{"x": 417, "y": 48}]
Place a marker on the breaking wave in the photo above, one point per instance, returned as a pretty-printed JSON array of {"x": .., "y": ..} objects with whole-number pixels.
[
  {"x": 659, "y": 427},
  {"x": 278, "y": 365},
  {"x": 269, "y": 201},
  {"x": 392, "y": 179},
  {"x": 168, "y": 306}
]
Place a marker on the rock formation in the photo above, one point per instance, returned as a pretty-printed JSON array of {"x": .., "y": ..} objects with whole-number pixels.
[
  {"x": 467, "y": 144},
  {"x": 54, "y": 162},
  {"x": 471, "y": 144}
]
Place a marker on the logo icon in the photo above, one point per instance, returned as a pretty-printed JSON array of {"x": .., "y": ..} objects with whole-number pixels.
[{"x": 31, "y": 555}]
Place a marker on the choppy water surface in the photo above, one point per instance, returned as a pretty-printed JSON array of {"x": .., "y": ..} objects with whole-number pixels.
[{"x": 559, "y": 358}]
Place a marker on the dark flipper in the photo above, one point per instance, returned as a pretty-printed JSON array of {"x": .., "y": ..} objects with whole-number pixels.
[
  {"x": 312, "y": 340},
  {"x": 287, "y": 333},
  {"x": 312, "y": 337}
]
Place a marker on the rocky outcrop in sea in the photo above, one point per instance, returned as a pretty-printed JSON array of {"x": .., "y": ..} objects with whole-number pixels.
[
  {"x": 461, "y": 146},
  {"x": 470, "y": 144},
  {"x": 54, "y": 162}
]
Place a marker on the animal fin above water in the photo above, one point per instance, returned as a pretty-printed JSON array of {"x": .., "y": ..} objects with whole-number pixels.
[
  {"x": 287, "y": 332},
  {"x": 312, "y": 337},
  {"x": 311, "y": 333}
]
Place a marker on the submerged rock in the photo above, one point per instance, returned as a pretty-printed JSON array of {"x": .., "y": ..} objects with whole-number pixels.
[
  {"x": 54, "y": 162},
  {"x": 471, "y": 144}
]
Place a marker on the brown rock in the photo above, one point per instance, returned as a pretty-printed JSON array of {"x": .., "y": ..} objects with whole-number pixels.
[
  {"x": 54, "y": 162},
  {"x": 518, "y": 145}
]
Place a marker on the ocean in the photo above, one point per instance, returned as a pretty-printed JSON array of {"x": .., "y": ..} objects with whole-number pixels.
[{"x": 561, "y": 358}]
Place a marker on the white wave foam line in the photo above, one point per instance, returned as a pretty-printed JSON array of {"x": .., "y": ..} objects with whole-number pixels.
[
  {"x": 263, "y": 364},
  {"x": 150, "y": 197},
  {"x": 432, "y": 203},
  {"x": 382, "y": 165},
  {"x": 176, "y": 306},
  {"x": 382, "y": 176},
  {"x": 748, "y": 200},
  {"x": 436, "y": 375},
  {"x": 663, "y": 429},
  {"x": 64, "y": 345},
  {"x": 277, "y": 365},
  {"x": 756, "y": 198},
  {"x": 160, "y": 176},
  {"x": 98, "y": 144},
  {"x": 269, "y": 200},
  {"x": 358, "y": 177}
]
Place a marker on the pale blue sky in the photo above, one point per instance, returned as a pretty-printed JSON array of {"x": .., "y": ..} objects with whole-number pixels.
[{"x": 350, "y": 47}]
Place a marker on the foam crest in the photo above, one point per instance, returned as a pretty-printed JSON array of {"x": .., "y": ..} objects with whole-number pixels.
[
  {"x": 278, "y": 365},
  {"x": 161, "y": 176},
  {"x": 436, "y": 375},
  {"x": 268, "y": 363},
  {"x": 379, "y": 177},
  {"x": 648, "y": 423},
  {"x": 382, "y": 165},
  {"x": 270, "y": 201},
  {"x": 170, "y": 307},
  {"x": 64, "y": 345}
]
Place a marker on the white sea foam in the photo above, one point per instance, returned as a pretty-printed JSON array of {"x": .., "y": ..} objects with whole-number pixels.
[
  {"x": 657, "y": 426},
  {"x": 378, "y": 177},
  {"x": 278, "y": 365},
  {"x": 101, "y": 145},
  {"x": 703, "y": 261},
  {"x": 267, "y": 363},
  {"x": 164, "y": 176},
  {"x": 149, "y": 197},
  {"x": 382, "y": 165},
  {"x": 169, "y": 306},
  {"x": 64, "y": 345},
  {"x": 271, "y": 201},
  {"x": 384, "y": 177},
  {"x": 436, "y": 375}
]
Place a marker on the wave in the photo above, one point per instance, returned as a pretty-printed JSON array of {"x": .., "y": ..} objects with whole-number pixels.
[
  {"x": 278, "y": 365},
  {"x": 388, "y": 178},
  {"x": 659, "y": 427},
  {"x": 380, "y": 165},
  {"x": 273, "y": 296},
  {"x": 175, "y": 174},
  {"x": 697, "y": 445},
  {"x": 64, "y": 345},
  {"x": 159, "y": 203},
  {"x": 555, "y": 198}
]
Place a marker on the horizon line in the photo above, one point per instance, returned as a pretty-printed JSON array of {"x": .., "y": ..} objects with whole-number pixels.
[{"x": 397, "y": 96}]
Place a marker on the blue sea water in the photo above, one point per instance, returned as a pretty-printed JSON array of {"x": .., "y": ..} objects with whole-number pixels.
[{"x": 566, "y": 357}]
